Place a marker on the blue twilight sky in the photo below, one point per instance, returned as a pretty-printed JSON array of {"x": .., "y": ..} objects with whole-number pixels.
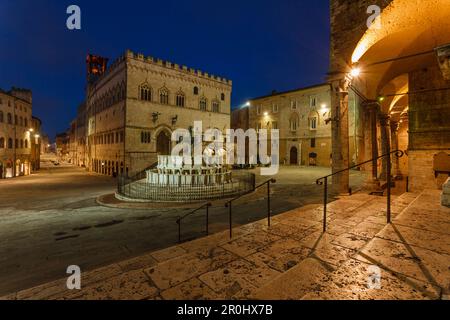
[{"x": 262, "y": 45}]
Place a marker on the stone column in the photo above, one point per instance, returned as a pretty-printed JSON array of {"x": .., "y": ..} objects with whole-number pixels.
[
  {"x": 394, "y": 146},
  {"x": 385, "y": 144},
  {"x": 372, "y": 108},
  {"x": 340, "y": 135}
]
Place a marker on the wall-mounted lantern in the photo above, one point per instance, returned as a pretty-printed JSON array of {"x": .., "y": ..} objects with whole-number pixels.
[{"x": 174, "y": 120}]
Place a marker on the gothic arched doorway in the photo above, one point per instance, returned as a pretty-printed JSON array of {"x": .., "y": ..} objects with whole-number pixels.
[
  {"x": 294, "y": 156},
  {"x": 163, "y": 143}
]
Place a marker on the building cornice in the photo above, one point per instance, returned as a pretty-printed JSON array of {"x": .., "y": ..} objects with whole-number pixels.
[{"x": 277, "y": 94}]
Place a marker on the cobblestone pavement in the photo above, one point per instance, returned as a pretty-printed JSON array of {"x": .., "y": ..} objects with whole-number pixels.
[
  {"x": 51, "y": 220},
  {"x": 292, "y": 259}
]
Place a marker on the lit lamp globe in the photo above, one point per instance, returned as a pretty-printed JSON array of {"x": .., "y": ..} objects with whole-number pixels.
[{"x": 355, "y": 72}]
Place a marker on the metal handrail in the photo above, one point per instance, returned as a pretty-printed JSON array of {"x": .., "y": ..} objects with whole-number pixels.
[
  {"x": 207, "y": 206},
  {"x": 229, "y": 204},
  {"x": 324, "y": 181},
  {"x": 142, "y": 173}
]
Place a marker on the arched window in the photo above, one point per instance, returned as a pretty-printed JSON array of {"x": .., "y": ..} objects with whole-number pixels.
[
  {"x": 180, "y": 99},
  {"x": 26, "y": 122},
  {"x": 215, "y": 107},
  {"x": 145, "y": 93},
  {"x": 2, "y": 143},
  {"x": 26, "y": 143},
  {"x": 222, "y": 96},
  {"x": 196, "y": 91},
  {"x": 203, "y": 104},
  {"x": 313, "y": 120},
  {"x": 21, "y": 121},
  {"x": 164, "y": 96},
  {"x": 17, "y": 144},
  {"x": 9, "y": 118},
  {"x": 10, "y": 143},
  {"x": 1, "y": 117},
  {"x": 293, "y": 122}
]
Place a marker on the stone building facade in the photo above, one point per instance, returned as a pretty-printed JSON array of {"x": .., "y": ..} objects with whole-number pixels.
[
  {"x": 80, "y": 137},
  {"x": 15, "y": 133},
  {"x": 399, "y": 67},
  {"x": 45, "y": 144},
  {"x": 62, "y": 143},
  {"x": 134, "y": 106},
  {"x": 303, "y": 118}
]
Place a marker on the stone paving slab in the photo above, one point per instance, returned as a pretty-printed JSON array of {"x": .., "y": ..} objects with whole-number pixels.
[
  {"x": 280, "y": 255},
  {"x": 183, "y": 268},
  {"x": 439, "y": 242},
  {"x": 132, "y": 285},
  {"x": 193, "y": 289},
  {"x": 295, "y": 283},
  {"x": 350, "y": 283},
  {"x": 292, "y": 259},
  {"x": 250, "y": 243},
  {"x": 236, "y": 276}
]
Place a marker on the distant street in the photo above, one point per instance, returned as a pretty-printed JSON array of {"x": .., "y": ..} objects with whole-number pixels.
[{"x": 51, "y": 220}]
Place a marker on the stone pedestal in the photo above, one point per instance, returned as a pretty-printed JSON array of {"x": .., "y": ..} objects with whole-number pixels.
[{"x": 445, "y": 199}]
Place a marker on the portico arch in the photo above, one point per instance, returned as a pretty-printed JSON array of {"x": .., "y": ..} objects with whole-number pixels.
[{"x": 399, "y": 72}]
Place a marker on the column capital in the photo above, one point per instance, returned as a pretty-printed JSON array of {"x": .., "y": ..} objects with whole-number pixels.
[
  {"x": 341, "y": 84},
  {"x": 394, "y": 126},
  {"x": 384, "y": 119},
  {"x": 371, "y": 105}
]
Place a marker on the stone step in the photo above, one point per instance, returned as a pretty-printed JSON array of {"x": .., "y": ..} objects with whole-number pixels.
[
  {"x": 349, "y": 231},
  {"x": 293, "y": 259}
]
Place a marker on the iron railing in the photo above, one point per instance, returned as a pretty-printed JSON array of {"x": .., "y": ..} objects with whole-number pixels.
[
  {"x": 229, "y": 204},
  {"x": 138, "y": 188},
  {"x": 142, "y": 174},
  {"x": 180, "y": 219},
  {"x": 324, "y": 181}
]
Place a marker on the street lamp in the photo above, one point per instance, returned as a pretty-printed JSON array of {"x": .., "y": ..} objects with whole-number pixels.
[
  {"x": 324, "y": 109},
  {"x": 355, "y": 72}
]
